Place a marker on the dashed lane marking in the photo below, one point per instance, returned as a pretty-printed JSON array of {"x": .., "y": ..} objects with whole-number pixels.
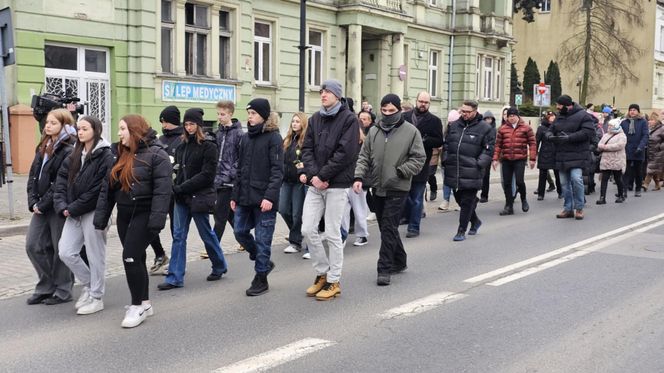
[{"x": 422, "y": 305}]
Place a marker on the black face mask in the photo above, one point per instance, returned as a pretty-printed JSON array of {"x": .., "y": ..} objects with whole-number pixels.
[
  {"x": 391, "y": 120},
  {"x": 564, "y": 110}
]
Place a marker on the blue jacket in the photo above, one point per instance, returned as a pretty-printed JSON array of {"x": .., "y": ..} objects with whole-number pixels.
[{"x": 637, "y": 141}]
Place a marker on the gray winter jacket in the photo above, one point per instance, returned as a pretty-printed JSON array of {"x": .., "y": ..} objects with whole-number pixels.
[{"x": 389, "y": 160}]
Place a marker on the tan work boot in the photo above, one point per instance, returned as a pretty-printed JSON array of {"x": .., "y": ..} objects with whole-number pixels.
[
  {"x": 329, "y": 291},
  {"x": 319, "y": 282}
]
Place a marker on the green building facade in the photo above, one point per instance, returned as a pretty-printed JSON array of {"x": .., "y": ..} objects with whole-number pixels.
[{"x": 131, "y": 56}]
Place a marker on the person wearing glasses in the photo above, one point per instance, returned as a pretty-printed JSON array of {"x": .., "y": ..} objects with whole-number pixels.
[{"x": 468, "y": 152}]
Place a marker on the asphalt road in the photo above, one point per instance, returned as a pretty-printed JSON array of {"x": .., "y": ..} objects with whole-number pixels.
[{"x": 595, "y": 307}]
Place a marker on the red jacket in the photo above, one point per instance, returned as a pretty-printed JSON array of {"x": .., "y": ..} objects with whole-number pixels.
[{"x": 515, "y": 143}]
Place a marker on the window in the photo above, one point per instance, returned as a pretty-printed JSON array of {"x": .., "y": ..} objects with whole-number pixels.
[
  {"x": 545, "y": 6},
  {"x": 263, "y": 52},
  {"x": 433, "y": 2},
  {"x": 433, "y": 73},
  {"x": 489, "y": 78},
  {"x": 315, "y": 57},
  {"x": 661, "y": 39},
  {"x": 167, "y": 26},
  {"x": 658, "y": 85},
  {"x": 225, "y": 35},
  {"x": 195, "y": 40}
]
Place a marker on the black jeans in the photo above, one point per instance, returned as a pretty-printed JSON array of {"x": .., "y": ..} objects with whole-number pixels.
[
  {"x": 433, "y": 183},
  {"x": 634, "y": 174},
  {"x": 135, "y": 238},
  {"x": 157, "y": 247},
  {"x": 388, "y": 211},
  {"x": 486, "y": 181},
  {"x": 222, "y": 211},
  {"x": 617, "y": 176},
  {"x": 509, "y": 170},
  {"x": 467, "y": 200},
  {"x": 543, "y": 178}
]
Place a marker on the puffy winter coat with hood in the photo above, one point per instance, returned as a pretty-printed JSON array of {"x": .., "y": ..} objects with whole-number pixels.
[
  {"x": 431, "y": 131},
  {"x": 261, "y": 165},
  {"x": 513, "y": 144},
  {"x": 171, "y": 139},
  {"x": 195, "y": 167},
  {"x": 151, "y": 189},
  {"x": 468, "y": 152},
  {"x": 44, "y": 173},
  {"x": 579, "y": 127},
  {"x": 80, "y": 196},
  {"x": 546, "y": 153},
  {"x": 656, "y": 149},
  {"x": 612, "y": 148}
]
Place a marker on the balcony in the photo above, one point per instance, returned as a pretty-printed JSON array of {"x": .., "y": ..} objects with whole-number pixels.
[{"x": 387, "y": 5}]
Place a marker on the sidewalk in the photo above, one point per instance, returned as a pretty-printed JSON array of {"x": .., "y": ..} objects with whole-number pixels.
[{"x": 18, "y": 277}]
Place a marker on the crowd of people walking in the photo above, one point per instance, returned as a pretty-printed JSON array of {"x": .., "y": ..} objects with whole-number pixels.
[{"x": 333, "y": 171}]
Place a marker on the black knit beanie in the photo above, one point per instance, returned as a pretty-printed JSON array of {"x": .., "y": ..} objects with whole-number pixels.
[
  {"x": 635, "y": 106},
  {"x": 261, "y": 106},
  {"x": 393, "y": 99},
  {"x": 194, "y": 115},
  {"x": 171, "y": 114},
  {"x": 565, "y": 100}
]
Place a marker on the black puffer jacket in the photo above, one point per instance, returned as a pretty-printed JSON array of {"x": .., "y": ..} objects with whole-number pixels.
[
  {"x": 151, "y": 189},
  {"x": 468, "y": 151},
  {"x": 431, "y": 130},
  {"x": 80, "y": 197},
  {"x": 290, "y": 157},
  {"x": 580, "y": 128},
  {"x": 41, "y": 183},
  {"x": 195, "y": 166},
  {"x": 171, "y": 139},
  {"x": 261, "y": 167},
  {"x": 331, "y": 146},
  {"x": 546, "y": 150},
  {"x": 228, "y": 143}
]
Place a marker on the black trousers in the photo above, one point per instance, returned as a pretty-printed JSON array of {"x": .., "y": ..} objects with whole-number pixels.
[
  {"x": 388, "y": 211},
  {"x": 433, "y": 183},
  {"x": 486, "y": 181},
  {"x": 222, "y": 211},
  {"x": 634, "y": 174},
  {"x": 467, "y": 200},
  {"x": 509, "y": 170},
  {"x": 617, "y": 176},
  {"x": 157, "y": 247},
  {"x": 135, "y": 238},
  {"x": 544, "y": 178}
]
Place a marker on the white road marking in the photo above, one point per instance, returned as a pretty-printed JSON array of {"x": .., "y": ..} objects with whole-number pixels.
[
  {"x": 422, "y": 305},
  {"x": 276, "y": 357},
  {"x": 587, "y": 250},
  {"x": 638, "y": 226}
]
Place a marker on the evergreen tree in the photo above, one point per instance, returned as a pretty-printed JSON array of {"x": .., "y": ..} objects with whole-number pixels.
[
  {"x": 531, "y": 76},
  {"x": 527, "y": 7},
  {"x": 515, "y": 86},
  {"x": 552, "y": 78}
]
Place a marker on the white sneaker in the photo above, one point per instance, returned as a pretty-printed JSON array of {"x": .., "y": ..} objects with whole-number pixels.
[
  {"x": 306, "y": 255},
  {"x": 83, "y": 299},
  {"x": 371, "y": 217},
  {"x": 290, "y": 249},
  {"x": 149, "y": 311},
  {"x": 134, "y": 316},
  {"x": 445, "y": 206},
  {"x": 455, "y": 207},
  {"x": 94, "y": 305},
  {"x": 360, "y": 241}
]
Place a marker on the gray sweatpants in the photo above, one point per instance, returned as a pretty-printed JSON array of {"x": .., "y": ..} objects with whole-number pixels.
[
  {"x": 332, "y": 203},
  {"x": 358, "y": 203},
  {"x": 77, "y": 232},
  {"x": 41, "y": 245}
]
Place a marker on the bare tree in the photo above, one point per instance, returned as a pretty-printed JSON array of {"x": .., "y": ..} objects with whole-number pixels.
[{"x": 599, "y": 42}]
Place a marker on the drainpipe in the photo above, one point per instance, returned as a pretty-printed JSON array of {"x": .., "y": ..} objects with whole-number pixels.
[{"x": 451, "y": 63}]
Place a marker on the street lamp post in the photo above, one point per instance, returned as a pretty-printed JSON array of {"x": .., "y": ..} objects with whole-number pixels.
[{"x": 303, "y": 50}]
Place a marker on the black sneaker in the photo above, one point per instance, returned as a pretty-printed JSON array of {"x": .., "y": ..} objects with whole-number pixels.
[
  {"x": 383, "y": 279},
  {"x": 395, "y": 270},
  {"x": 214, "y": 277},
  {"x": 360, "y": 241},
  {"x": 56, "y": 300},
  {"x": 258, "y": 286},
  {"x": 38, "y": 298}
]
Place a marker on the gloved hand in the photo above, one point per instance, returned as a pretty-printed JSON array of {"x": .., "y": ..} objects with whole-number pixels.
[
  {"x": 638, "y": 151},
  {"x": 560, "y": 139},
  {"x": 177, "y": 189},
  {"x": 548, "y": 135}
]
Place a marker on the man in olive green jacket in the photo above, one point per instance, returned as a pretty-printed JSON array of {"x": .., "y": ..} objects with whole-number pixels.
[{"x": 392, "y": 153}]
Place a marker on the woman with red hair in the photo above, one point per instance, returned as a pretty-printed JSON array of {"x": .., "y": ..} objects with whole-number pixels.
[{"x": 140, "y": 183}]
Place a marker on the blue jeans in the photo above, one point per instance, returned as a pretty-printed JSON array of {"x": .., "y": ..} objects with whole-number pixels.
[
  {"x": 291, "y": 200},
  {"x": 259, "y": 247},
  {"x": 447, "y": 191},
  {"x": 572, "y": 183},
  {"x": 415, "y": 205},
  {"x": 182, "y": 216}
]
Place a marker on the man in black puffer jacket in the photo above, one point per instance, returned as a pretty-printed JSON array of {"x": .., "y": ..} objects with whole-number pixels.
[
  {"x": 468, "y": 152},
  {"x": 571, "y": 132},
  {"x": 255, "y": 198}
]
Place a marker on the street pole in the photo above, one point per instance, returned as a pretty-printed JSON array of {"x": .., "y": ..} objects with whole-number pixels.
[
  {"x": 303, "y": 51},
  {"x": 5, "y": 133}
]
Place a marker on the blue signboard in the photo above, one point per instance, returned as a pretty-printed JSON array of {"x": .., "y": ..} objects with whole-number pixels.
[{"x": 196, "y": 92}]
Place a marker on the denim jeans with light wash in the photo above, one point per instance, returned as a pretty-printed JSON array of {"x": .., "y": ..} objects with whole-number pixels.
[
  {"x": 414, "y": 205},
  {"x": 572, "y": 183},
  {"x": 182, "y": 219},
  {"x": 260, "y": 246},
  {"x": 291, "y": 201},
  {"x": 447, "y": 191}
]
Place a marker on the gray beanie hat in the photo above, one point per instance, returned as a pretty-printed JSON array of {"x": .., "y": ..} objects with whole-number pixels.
[{"x": 333, "y": 86}]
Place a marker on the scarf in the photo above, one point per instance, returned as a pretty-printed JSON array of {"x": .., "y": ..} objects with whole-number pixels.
[
  {"x": 63, "y": 134},
  {"x": 255, "y": 130},
  {"x": 631, "y": 129},
  {"x": 331, "y": 111}
]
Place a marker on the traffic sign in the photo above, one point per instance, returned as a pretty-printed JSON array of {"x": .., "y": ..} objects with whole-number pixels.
[
  {"x": 541, "y": 94},
  {"x": 518, "y": 100}
]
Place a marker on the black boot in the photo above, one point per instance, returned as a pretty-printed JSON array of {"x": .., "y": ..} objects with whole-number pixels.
[
  {"x": 524, "y": 205},
  {"x": 258, "y": 285},
  {"x": 601, "y": 200},
  {"x": 507, "y": 210}
]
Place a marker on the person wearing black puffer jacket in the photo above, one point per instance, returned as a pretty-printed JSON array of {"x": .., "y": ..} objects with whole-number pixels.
[
  {"x": 255, "y": 199},
  {"x": 468, "y": 150},
  {"x": 140, "y": 183},
  {"x": 195, "y": 197},
  {"x": 76, "y": 193},
  {"x": 41, "y": 242},
  {"x": 546, "y": 157},
  {"x": 571, "y": 132}
]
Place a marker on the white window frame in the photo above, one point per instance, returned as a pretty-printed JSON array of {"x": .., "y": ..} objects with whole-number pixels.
[
  {"x": 196, "y": 30},
  {"x": 489, "y": 79},
  {"x": 478, "y": 76},
  {"x": 433, "y": 3},
  {"x": 228, "y": 35},
  {"x": 434, "y": 76},
  {"x": 261, "y": 41},
  {"x": 170, "y": 25},
  {"x": 546, "y": 6},
  {"x": 313, "y": 62}
]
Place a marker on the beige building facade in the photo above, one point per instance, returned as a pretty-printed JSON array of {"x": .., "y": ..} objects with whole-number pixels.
[{"x": 541, "y": 40}]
